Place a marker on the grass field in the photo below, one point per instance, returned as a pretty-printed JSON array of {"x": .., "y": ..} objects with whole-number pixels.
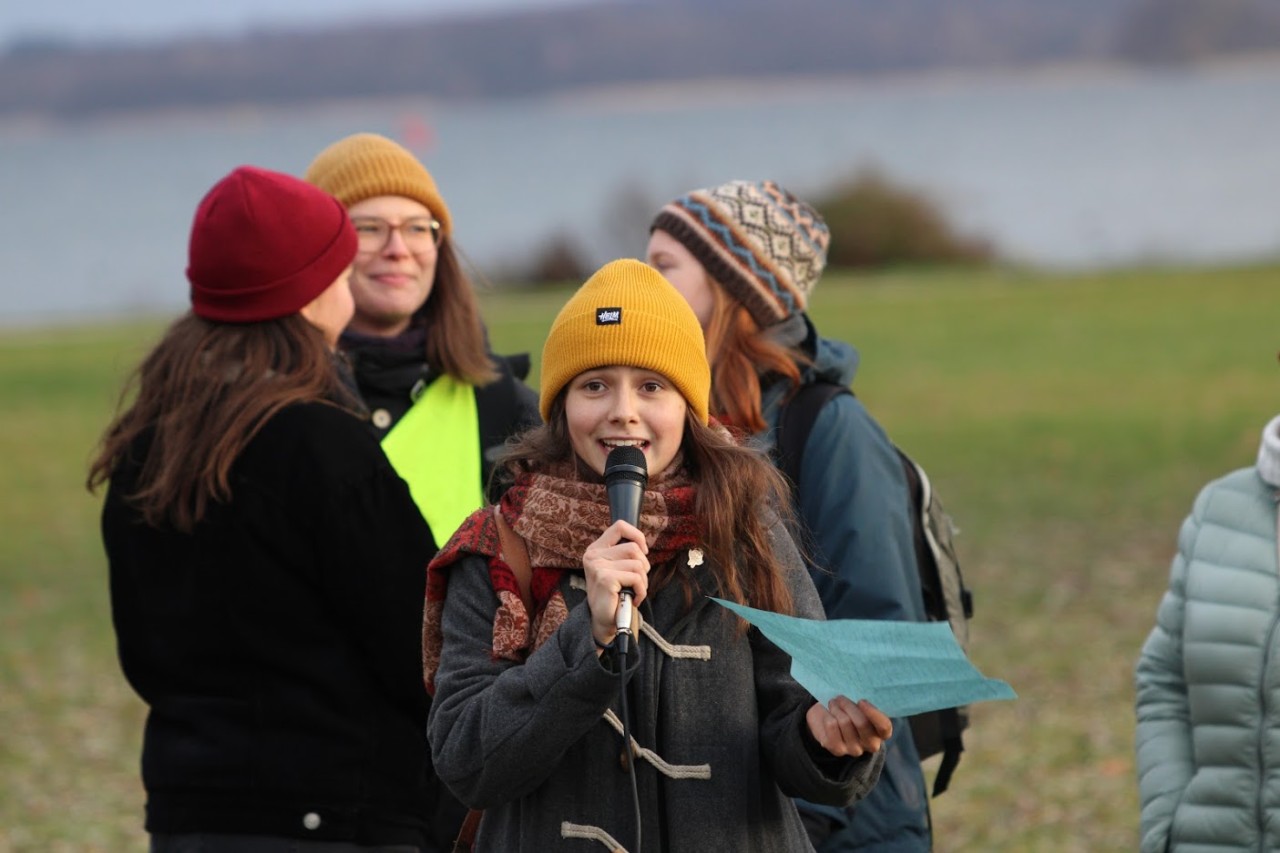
[{"x": 1067, "y": 423}]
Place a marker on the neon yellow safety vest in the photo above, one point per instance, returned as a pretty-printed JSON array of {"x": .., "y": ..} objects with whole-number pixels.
[{"x": 435, "y": 448}]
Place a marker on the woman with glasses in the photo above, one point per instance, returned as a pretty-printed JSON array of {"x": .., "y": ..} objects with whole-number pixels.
[{"x": 439, "y": 400}]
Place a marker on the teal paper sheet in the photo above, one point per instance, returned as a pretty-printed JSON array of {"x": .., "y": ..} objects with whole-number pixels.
[{"x": 903, "y": 668}]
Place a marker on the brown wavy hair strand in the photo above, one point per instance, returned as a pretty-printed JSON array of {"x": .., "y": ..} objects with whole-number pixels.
[
  {"x": 740, "y": 354},
  {"x": 203, "y": 393},
  {"x": 455, "y": 333}
]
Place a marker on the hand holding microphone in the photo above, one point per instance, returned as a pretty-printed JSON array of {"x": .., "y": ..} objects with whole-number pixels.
[{"x": 625, "y": 476}]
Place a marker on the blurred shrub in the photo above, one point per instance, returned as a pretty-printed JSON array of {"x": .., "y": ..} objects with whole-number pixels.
[
  {"x": 626, "y": 217},
  {"x": 557, "y": 259},
  {"x": 875, "y": 222}
]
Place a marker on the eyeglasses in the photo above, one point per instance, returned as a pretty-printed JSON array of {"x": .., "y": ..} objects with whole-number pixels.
[{"x": 418, "y": 233}]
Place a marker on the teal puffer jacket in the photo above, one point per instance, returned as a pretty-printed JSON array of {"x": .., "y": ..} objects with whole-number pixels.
[{"x": 1208, "y": 679}]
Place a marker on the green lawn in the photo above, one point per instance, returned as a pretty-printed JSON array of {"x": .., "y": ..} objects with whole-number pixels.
[{"x": 1066, "y": 421}]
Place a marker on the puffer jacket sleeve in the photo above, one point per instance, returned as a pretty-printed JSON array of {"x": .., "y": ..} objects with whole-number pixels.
[
  {"x": 801, "y": 768},
  {"x": 1163, "y": 737},
  {"x": 498, "y": 728}
]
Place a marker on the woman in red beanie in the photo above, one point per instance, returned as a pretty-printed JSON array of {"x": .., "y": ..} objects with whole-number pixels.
[{"x": 266, "y": 562}]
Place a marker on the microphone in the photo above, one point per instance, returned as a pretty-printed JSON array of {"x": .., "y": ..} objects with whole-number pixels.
[{"x": 625, "y": 475}]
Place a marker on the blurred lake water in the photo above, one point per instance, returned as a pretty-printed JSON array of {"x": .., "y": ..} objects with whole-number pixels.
[{"x": 1075, "y": 169}]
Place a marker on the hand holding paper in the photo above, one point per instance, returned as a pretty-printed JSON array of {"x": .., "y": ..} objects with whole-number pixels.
[
  {"x": 903, "y": 668},
  {"x": 844, "y": 727}
]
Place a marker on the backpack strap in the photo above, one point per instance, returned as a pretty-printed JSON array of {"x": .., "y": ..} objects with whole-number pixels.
[
  {"x": 935, "y": 731},
  {"x": 952, "y": 726},
  {"x": 796, "y": 422},
  {"x": 467, "y": 834},
  {"x": 516, "y": 555}
]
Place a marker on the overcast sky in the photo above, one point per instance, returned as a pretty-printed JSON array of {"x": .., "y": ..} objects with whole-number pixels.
[{"x": 117, "y": 20}]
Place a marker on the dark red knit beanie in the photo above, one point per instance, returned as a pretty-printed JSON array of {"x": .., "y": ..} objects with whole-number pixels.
[{"x": 263, "y": 245}]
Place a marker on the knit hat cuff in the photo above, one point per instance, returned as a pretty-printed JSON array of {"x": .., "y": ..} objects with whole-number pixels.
[
  {"x": 662, "y": 346},
  {"x": 283, "y": 296},
  {"x": 627, "y": 314},
  {"x": 369, "y": 177},
  {"x": 367, "y": 165},
  {"x": 738, "y": 270}
]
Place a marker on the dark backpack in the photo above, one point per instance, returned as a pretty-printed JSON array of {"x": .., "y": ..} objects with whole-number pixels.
[{"x": 946, "y": 598}]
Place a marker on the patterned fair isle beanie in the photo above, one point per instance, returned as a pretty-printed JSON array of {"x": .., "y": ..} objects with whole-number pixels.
[
  {"x": 761, "y": 243},
  {"x": 365, "y": 165},
  {"x": 627, "y": 314}
]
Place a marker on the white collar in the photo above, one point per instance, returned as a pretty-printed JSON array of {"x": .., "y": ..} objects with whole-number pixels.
[{"x": 1269, "y": 453}]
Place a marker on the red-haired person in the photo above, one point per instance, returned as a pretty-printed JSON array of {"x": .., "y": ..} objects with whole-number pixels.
[{"x": 747, "y": 255}]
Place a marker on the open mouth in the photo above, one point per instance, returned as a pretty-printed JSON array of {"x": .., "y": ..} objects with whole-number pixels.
[{"x": 611, "y": 443}]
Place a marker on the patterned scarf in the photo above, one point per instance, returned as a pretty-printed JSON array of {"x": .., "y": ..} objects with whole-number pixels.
[{"x": 557, "y": 515}]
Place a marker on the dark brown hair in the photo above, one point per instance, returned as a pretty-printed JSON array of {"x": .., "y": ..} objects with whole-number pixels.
[
  {"x": 740, "y": 353},
  {"x": 201, "y": 394},
  {"x": 739, "y": 495},
  {"x": 455, "y": 334}
]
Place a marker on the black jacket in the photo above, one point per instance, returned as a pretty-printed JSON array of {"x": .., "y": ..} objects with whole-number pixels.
[{"x": 278, "y": 645}]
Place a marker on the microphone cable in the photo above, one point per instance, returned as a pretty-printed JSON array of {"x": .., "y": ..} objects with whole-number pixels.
[
  {"x": 621, "y": 643},
  {"x": 626, "y": 472}
]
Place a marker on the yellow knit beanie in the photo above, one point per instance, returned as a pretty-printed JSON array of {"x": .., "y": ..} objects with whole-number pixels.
[
  {"x": 627, "y": 314},
  {"x": 365, "y": 165}
]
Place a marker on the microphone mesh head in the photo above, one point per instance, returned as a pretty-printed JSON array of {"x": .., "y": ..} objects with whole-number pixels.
[{"x": 626, "y": 463}]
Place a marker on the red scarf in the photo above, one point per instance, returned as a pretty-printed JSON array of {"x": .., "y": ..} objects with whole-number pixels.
[{"x": 558, "y": 516}]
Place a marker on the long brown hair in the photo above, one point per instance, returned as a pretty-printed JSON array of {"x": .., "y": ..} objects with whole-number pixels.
[
  {"x": 740, "y": 353},
  {"x": 451, "y": 315},
  {"x": 201, "y": 394},
  {"x": 739, "y": 496}
]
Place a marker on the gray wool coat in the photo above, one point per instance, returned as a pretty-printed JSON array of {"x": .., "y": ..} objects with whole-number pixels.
[{"x": 718, "y": 720}]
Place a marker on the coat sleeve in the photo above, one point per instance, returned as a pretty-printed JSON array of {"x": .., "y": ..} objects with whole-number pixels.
[
  {"x": 854, "y": 501},
  {"x": 372, "y": 548},
  {"x": 499, "y": 728},
  {"x": 801, "y": 767},
  {"x": 1163, "y": 736}
]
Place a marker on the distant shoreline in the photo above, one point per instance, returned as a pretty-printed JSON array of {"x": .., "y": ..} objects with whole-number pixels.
[
  {"x": 666, "y": 94},
  {"x": 653, "y": 95}
]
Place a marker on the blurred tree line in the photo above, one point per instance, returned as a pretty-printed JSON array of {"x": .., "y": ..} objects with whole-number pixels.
[{"x": 876, "y": 222}]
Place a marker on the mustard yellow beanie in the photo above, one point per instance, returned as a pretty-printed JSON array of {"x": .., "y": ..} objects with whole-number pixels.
[
  {"x": 627, "y": 314},
  {"x": 365, "y": 165}
]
